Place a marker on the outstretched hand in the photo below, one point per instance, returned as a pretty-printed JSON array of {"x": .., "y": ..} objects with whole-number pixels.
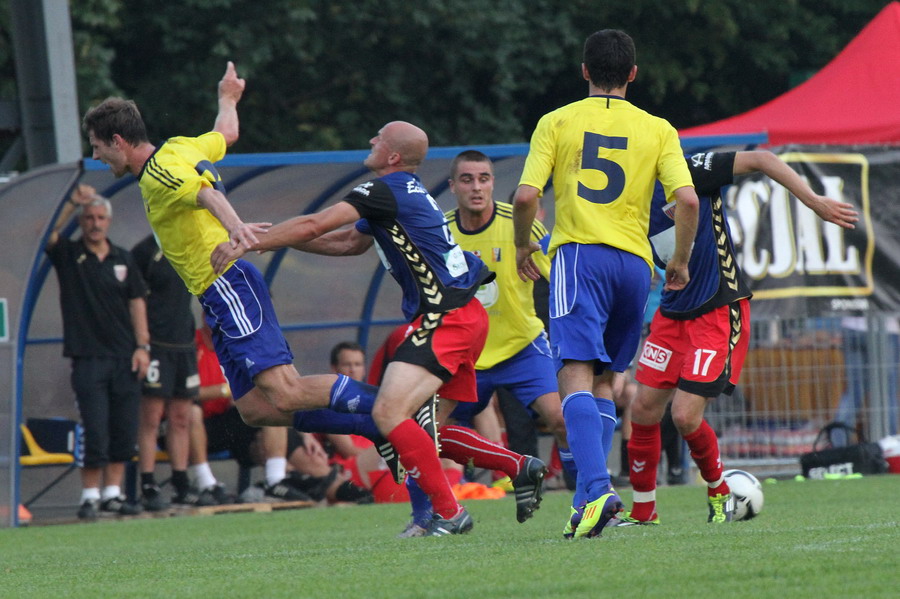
[
  {"x": 245, "y": 234},
  {"x": 840, "y": 213},
  {"x": 231, "y": 86},
  {"x": 525, "y": 264}
]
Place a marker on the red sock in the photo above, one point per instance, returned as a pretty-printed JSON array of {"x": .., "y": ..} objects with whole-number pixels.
[
  {"x": 419, "y": 456},
  {"x": 555, "y": 466},
  {"x": 704, "y": 446},
  {"x": 643, "y": 459},
  {"x": 463, "y": 445},
  {"x": 643, "y": 456}
]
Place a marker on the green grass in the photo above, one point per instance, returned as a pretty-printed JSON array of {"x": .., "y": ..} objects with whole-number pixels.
[{"x": 814, "y": 539}]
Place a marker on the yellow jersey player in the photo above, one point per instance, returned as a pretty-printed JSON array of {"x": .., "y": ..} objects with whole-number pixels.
[
  {"x": 190, "y": 215},
  {"x": 605, "y": 155},
  {"x": 516, "y": 355}
]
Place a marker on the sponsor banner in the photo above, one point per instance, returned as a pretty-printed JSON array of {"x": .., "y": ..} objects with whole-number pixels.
[{"x": 798, "y": 265}]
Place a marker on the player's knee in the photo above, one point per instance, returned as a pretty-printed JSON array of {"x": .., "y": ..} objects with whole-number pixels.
[{"x": 686, "y": 422}]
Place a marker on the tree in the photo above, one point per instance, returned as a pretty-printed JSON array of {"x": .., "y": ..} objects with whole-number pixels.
[{"x": 325, "y": 74}]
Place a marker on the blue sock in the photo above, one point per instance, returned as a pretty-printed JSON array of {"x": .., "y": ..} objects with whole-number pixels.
[
  {"x": 421, "y": 504},
  {"x": 608, "y": 412},
  {"x": 352, "y": 397},
  {"x": 584, "y": 429},
  {"x": 326, "y": 421},
  {"x": 568, "y": 462}
]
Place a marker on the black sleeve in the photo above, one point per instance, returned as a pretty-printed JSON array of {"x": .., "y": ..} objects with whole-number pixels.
[
  {"x": 374, "y": 200},
  {"x": 711, "y": 171},
  {"x": 143, "y": 252},
  {"x": 135, "y": 281}
]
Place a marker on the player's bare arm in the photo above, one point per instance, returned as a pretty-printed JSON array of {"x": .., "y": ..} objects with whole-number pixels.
[
  {"x": 525, "y": 205},
  {"x": 240, "y": 233},
  {"x": 342, "y": 242},
  {"x": 677, "y": 275},
  {"x": 231, "y": 88},
  {"x": 828, "y": 209},
  {"x": 296, "y": 232}
]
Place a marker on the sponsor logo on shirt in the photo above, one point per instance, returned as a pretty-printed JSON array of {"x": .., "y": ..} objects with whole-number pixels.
[{"x": 413, "y": 186}]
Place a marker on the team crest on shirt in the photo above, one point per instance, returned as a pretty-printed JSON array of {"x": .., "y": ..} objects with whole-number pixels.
[
  {"x": 655, "y": 357},
  {"x": 121, "y": 272},
  {"x": 496, "y": 252},
  {"x": 477, "y": 253}
]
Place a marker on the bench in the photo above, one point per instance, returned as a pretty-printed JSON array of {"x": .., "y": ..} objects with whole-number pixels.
[{"x": 50, "y": 442}]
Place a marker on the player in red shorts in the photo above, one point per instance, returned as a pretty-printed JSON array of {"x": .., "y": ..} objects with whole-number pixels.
[
  {"x": 700, "y": 334},
  {"x": 462, "y": 444},
  {"x": 438, "y": 279}
]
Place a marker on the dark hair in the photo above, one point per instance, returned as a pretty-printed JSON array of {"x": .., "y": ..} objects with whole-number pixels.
[
  {"x": 344, "y": 345},
  {"x": 609, "y": 57},
  {"x": 468, "y": 156},
  {"x": 115, "y": 115}
]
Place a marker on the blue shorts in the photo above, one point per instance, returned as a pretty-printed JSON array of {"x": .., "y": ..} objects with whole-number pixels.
[
  {"x": 527, "y": 375},
  {"x": 245, "y": 330},
  {"x": 597, "y": 298}
]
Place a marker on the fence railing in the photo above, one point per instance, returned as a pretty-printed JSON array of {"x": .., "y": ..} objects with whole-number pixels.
[{"x": 803, "y": 373}]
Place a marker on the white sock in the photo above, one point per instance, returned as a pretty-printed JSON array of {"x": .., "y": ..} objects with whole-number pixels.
[
  {"x": 645, "y": 497},
  {"x": 202, "y": 475},
  {"x": 276, "y": 470},
  {"x": 111, "y": 491},
  {"x": 92, "y": 494}
]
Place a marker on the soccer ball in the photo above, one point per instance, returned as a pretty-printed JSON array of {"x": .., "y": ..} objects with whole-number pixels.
[{"x": 747, "y": 492}]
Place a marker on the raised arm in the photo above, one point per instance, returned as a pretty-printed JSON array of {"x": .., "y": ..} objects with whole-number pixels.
[
  {"x": 81, "y": 196},
  {"x": 231, "y": 88},
  {"x": 833, "y": 211}
]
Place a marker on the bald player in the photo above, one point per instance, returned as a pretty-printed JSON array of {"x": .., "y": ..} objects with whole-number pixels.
[{"x": 448, "y": 325}]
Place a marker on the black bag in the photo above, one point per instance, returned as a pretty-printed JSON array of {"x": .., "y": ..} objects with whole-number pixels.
[{"x": 862, "y": 457}]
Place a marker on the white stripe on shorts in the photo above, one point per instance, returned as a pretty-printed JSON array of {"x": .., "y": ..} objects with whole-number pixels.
[{"x": 235, "y": 307}]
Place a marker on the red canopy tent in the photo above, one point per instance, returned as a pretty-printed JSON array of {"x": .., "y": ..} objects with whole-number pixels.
[{"x": 854, "y": 99}]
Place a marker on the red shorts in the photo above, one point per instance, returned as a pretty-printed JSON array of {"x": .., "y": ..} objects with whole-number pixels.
[
  {"x": 447, "y": 345},
  {"x": 702, "y": 356}
]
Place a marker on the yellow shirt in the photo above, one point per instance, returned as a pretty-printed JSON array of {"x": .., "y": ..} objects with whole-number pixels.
[
  {"x": 605, "y": 156},
  {"x": 508, "y": 300},
  {"x": 170, "y": 182}
]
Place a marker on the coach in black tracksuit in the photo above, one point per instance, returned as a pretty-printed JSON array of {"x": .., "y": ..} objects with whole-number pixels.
[{"x": 105, "y": 334}]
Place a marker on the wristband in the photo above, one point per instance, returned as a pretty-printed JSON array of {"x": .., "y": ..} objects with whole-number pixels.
[{"x": 145, "y": 347}]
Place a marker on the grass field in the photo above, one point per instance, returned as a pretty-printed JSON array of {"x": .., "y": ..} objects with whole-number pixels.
[{"x": 814, "y": 539}]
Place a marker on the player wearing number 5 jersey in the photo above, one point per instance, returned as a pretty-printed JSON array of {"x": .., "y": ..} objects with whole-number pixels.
[{"x": 605, "y": 156}]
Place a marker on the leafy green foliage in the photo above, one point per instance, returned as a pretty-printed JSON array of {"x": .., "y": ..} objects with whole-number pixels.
[{"x": 326, "y": 74}]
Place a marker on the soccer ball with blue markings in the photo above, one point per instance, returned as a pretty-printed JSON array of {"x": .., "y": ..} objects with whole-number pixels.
[{"x": 747, "y": 492}]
